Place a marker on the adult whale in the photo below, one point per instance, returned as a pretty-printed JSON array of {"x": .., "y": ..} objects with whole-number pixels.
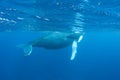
[{"x": 55, "y": 40}]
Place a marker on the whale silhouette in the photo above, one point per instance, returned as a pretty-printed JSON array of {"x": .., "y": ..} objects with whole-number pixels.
[{"x": 55, "y": 40}]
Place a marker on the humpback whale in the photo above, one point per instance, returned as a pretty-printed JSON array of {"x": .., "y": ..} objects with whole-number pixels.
[{"x": 55, "y": 40}]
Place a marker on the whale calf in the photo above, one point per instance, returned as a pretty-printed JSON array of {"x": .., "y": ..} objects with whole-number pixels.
[{"x": 55, "y": 40}]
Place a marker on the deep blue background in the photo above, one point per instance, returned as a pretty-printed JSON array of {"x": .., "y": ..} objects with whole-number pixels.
[{"x": 98, "y": 58}]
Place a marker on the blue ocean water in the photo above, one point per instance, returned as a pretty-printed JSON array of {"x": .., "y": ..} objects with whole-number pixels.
[{"x": 98, "y": 53}]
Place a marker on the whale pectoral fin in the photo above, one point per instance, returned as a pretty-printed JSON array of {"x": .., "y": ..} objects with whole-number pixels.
[
  {"x": 26, "y": 48},
  {"x": 80, "y": 38},
  {"x": 74, "y": 47},
  {"x": 74, "y": 50}
]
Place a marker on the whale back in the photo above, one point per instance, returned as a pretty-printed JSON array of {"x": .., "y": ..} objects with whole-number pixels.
[{"x": 55, "y": 40}]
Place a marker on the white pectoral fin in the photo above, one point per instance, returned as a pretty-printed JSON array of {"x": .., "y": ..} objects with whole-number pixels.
[
  {"x": 80, "y": 38},
  {"x": 74, "y": 50},
  {"x": 74, "y": 47}
]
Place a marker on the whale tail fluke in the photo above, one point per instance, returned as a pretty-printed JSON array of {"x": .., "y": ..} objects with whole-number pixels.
[{"x": 26, "y": 48}]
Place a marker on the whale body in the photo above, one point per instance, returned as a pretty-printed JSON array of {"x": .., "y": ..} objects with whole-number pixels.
[{"x": 55, "y": 40}]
